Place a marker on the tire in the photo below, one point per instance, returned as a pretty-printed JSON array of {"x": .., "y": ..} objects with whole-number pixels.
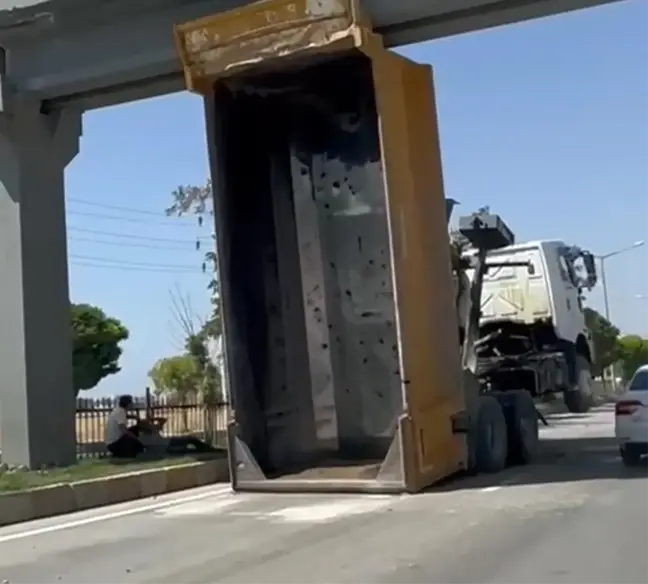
[
  {"x": 580, "y": 399},
  {"x": 523, "y": 430},
  {"x": 629, "y": 455},
  {"x": 491, "y": 440}
]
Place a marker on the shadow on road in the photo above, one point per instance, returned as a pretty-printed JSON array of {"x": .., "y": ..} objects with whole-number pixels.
[
  {"x": 563, "y": 460},
  {"x": 559, "y": 460}
]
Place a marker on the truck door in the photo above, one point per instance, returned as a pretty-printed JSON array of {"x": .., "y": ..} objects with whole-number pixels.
[
  {"x": 426, "y": 313},
  {"x": 569, "y": 318}
]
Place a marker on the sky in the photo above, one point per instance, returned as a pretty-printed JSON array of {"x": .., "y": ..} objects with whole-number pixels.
[{"x": 545, "y": 121}]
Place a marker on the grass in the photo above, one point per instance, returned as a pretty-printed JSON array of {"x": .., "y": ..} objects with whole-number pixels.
[{"x": 12, "y": 481}]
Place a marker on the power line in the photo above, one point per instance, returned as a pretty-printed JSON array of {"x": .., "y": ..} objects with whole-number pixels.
[
  {"x": 123, "y": 209},
  {"x": 190, "y": 247},
  {"x": 113, "y": 207},
  {"x": 138, "y": 237},
  {"x": 131, "y": 240},
  {"x": 166, "y": 223},
  {"x": 135, "y": 268},
  {"x": 133, "y": 264}
]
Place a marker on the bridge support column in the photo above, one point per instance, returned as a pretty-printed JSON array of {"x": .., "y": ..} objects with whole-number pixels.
[{"x": 37, "y": 401}]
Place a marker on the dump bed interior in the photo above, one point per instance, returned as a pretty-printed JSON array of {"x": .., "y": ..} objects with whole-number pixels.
[
  {"x": 311, "y": 313},
  {"x": 340, "y": 333}
]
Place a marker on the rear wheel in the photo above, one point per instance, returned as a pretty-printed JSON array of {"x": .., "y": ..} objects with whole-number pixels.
[
  {"x": 523, "y": 431},
  {"x": 580, "y": 398},
  {"x": 629, "y": 455},
  {"x": 491, "y": 441}
]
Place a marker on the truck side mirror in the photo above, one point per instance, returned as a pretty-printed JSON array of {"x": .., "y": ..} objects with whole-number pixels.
[
  {"x": 589, "y": 264},
  {"x": 449, "y": 206}
]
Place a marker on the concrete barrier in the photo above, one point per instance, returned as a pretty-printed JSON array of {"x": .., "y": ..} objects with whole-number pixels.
[{"x": 59, "y": 499}]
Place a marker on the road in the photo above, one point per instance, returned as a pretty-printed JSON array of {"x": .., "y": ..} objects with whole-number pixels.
[{"x": 577, "y": 517}]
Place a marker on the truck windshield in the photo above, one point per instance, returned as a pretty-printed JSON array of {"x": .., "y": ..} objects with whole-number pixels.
[{"x": 639, "y": 381}]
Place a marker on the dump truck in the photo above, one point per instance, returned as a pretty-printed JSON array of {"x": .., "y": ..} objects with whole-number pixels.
[
  {"x": 343, "y": 357},
  {"x": 533, "y": 333}
]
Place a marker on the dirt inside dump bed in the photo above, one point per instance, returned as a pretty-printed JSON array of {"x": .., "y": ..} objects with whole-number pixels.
[{"x": 333, "y": 469}]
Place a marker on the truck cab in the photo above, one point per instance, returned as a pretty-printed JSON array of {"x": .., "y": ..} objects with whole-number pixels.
[{"x": 532, "y": 312}]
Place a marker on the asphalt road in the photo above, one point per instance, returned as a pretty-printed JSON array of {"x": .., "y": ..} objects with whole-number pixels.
[{"x": 577, "y": 517}]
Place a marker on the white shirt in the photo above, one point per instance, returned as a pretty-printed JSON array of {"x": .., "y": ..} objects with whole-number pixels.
[{"x": 117, "y": 418}]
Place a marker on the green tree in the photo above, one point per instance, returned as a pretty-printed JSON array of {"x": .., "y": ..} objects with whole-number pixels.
[
  {"x": 176, "y": 376},
  {"x": 633, "y": 351},
  {"x": 96, "y": 347},
  {"x": 605, "y": 339},
  {"x": 210, "y": 388},
  {"x": 198, "y": 201},
  {"x": 197, "y": 340}
]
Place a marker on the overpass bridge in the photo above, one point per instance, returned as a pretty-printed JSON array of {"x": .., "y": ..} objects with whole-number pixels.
[
  {"x": 89, "y": 53},
  {"x": 59, "y": 58}
]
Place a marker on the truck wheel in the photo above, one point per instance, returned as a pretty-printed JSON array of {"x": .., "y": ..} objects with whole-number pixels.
[
  {"x": 522, "y": 425},
  {"x": 629, "y": 455},
  {"x": 491, "y": 444},
  {"x": 579, "y": 399}
]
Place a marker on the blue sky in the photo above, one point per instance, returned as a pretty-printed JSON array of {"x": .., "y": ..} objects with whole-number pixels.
[{"x": 546, "y": 122}]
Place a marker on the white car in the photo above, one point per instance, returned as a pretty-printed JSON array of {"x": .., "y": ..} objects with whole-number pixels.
[{"x": 631, "y": 418}]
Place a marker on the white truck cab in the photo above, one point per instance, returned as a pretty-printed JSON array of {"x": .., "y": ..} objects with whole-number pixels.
[
  {"x": 550, "y": 288},
  {"x": 532, "y": 306}
]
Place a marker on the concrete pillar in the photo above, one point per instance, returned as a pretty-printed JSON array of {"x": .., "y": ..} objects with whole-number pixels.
[{"x": 37, "y": 402}]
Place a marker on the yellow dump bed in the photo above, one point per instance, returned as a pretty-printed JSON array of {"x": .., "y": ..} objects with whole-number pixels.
[{"x": 341, "y": 333}]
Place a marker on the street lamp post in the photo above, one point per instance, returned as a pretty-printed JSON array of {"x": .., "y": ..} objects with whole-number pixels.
[{"x": 606, "y": 302}]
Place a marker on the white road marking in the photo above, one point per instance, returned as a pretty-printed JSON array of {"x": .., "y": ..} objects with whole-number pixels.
[
  {"x": 201, "y": 508},
  {"x": 314, "y": 510},
  {"x": 322, "y": 511},
  {"x": 71, "y": 524},
  {"x": 329, "y": 511},
  {"x": 491, "y": 489}
]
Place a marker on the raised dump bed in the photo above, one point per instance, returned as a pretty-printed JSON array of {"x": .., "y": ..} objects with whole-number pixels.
[{"x": 341, "y": 332}]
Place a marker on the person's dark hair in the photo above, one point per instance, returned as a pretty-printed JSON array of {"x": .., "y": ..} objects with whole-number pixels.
[{"x": 125, "y": 401}]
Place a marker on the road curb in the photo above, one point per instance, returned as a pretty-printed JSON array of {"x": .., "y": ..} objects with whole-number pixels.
[{"x": 58, "y": 499}]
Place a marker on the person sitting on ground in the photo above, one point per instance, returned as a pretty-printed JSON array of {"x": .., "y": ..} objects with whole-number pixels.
[{"x": 122, "y": 441}]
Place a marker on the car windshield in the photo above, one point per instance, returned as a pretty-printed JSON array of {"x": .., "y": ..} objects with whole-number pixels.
[{"x": 639, "y": 381}]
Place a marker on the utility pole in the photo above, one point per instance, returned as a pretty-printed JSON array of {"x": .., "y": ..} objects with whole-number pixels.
[{"x": 606, "y": 301}]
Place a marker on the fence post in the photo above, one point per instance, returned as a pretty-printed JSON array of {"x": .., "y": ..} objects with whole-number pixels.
[{"x": 148, "y": 405}]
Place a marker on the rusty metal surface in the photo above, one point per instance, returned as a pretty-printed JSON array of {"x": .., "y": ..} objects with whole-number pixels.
[
  {"x": 316, "y": 302},
  {"x": 266, "y": 30},
  {"x": 337, "y": 176}
]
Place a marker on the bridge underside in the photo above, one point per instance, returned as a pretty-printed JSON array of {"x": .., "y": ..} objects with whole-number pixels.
[{"x": 94, "y": 54}]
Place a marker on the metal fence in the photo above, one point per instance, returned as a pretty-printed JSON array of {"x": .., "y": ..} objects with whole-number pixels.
[{"x": 189, "y": 417}]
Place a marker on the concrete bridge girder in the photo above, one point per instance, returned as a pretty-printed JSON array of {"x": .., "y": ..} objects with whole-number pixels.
[{"x": 96, "y": 54}]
